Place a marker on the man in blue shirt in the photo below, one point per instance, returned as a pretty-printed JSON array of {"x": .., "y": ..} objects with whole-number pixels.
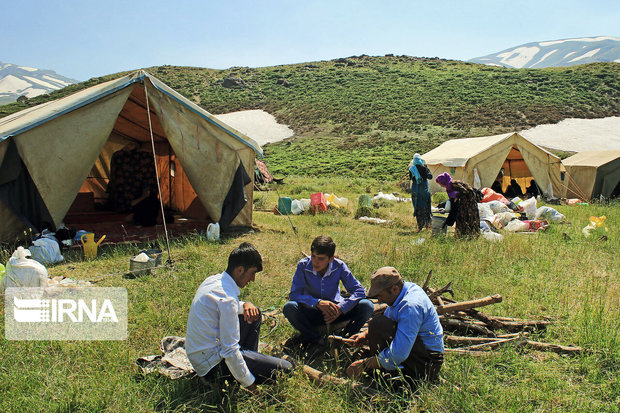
[
  {"x": 408, "y": 336},
  {"x": 315, "y": 298}
]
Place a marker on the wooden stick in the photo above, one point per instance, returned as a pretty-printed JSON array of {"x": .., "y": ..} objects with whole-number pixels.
[
  {"x": 493, "y": 344},
  {"x": 428, "y": 279},
  {"x": 556, "y": 348},
  {"x": 459, "y": 351},
  {"x": 338, "y": 338},
  {"x": 449, "y": 322},
  {"x": 465, "y": 305},
  {"x": 322, "y": 378},
  {"x": 456, "y": 340}
]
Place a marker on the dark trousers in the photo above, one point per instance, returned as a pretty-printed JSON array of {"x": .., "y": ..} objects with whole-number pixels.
[
  {"x": 421, "y": 363},
  {"x": 262, "y": 367},
  {"x": 307, "y": 319}
]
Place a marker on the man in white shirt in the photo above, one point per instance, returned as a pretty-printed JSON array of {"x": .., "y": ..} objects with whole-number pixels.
[{"x": 222, "y": 328}]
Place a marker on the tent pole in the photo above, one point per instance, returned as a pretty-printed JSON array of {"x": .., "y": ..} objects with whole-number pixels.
[{"x": 161, "y": 202}]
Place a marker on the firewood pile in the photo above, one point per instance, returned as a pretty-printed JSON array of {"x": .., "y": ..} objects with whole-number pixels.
[{"x": 467, "y": 330}]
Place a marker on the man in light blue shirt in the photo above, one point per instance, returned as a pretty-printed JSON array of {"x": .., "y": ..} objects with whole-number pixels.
[
  {"x": 408, "y": 336},
  {"x": 315, "y": 298},
  {"x": 223, "y": 332}
]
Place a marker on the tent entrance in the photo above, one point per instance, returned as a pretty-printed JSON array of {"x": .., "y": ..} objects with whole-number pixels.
[
  {"x": 515, "y": 168},
  {"x": 125, "y": 167}
]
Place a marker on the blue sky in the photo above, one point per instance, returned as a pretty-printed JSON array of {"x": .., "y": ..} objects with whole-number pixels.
[{"x": 84, "y": 39}]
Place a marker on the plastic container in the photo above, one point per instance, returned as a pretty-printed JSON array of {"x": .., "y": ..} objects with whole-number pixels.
[
  {"x": 365, "y": 201},
  {"x": 438, "y": 227},
  {"x": 337, "y": 201},
  {"x": 213, "y": 231},
  {"x": 318, "y": 201},
  {"x": 155, "y": 254},
  {"x": 284, "y": 205}
]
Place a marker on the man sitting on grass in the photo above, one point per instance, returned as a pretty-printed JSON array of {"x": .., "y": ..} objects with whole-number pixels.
[
  {"x": 407, "y": 337},
  {"x": 315, "y": 298},
  {"x": 220, "y": 327}
]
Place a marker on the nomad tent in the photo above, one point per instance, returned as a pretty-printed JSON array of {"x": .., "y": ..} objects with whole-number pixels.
[
  {"x": 591, "y": 174},
  {"x": 58, "y": 153},
  {"x": 479, "y": 161}
]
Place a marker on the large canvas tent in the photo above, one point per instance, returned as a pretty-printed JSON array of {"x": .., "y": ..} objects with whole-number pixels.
[
  {"x": 478, "y": 161},
  {"x": 50, "y": 152},
  {"x": 591, "y": 174}
]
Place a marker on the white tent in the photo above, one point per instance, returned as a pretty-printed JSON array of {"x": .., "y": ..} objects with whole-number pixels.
[
  {"x": 478, "y": 161},
  {"x": 50, "y": 152}
]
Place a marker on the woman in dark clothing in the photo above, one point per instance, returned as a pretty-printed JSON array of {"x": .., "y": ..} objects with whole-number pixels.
[
  {"x": 419, "y": 175},
  {"x": 464, "y": 208}
]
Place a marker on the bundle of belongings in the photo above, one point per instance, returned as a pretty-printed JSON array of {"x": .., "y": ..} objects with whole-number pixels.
[{"x": 515, "y": 215}]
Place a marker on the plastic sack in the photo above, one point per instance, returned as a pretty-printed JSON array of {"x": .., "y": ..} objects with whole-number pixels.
[
  {"x": 516, "y": 200},
  {"x": 498, "y": 207},
  {"x": 213, "y": 232},
  {"x": 490, "y": 195},
  {"x": 337, "y": 201},
  {"x": 46, "y": 251},
  {"x": 485, "y": 211},
  {"x": 305, "y": 203},
  {"x": 24, "y": 272},
  {"x": 549, "y": 214},
  {"x": 529, "y": 207},
  {"x": 296, "y": 207},
  {"x": 503, "y": 218},
  {"x": 492, "y": 236},
  {"x": 517, "y": 226}
]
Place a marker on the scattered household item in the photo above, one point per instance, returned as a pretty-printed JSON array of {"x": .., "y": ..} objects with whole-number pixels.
[
  {"x": 529, "y": 207},
  {"x": 364, "y": 201},
  {"x": 389, "y": 197},
  {"x": 516, "y": 200},
  {"x": 141, "y": 264},
  {"x": 373, "y": 220},
  {"x": 296, "y": 207},
  {"x": 213, "y": 231},
  {"x": 337, "y": 202},
  {"x": 46, "y": 251},
  {"x": 318, "y": 202},
  {"x": 574, "y": 201},
  {"x": 517, "y": 226},
  {"x": 492, "y": 236},
  {"x": 498, "y": 207},
  {"x": 595, "y": 224},
  {"x": 90, "y": 246},
  {"x": 24, "y": 272},
  {"x": 490, "y": 195},
  {"x": 78, "y": 235},
  {"x": 502, "y": 219},
  {"x": 484, "y": 210},
  {"x": 60, "y": 281},
  {"x": 153, "y": 253},
  {"x": 537, "y": 224},
  {"x": 284, "y": 205},
  {"x": 550, "y": 214},
  {"x": 438, "y": 225},
  {"x": 418, "y": 241}
]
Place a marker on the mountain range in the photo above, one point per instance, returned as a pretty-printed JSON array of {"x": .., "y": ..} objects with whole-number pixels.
[
  {"x": 555, "y": 53},
  {"x": 17, "y": 81}
]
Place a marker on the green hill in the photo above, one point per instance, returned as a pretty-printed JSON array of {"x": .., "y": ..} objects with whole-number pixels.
[{"x": 368, "y": 115}]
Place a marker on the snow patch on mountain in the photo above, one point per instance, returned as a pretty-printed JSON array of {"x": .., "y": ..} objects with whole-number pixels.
[
  {"x": 554, "y": 53},
  {"x": 17, "y": 80}
]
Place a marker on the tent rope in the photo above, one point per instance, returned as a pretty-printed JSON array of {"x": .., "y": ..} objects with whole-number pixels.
[
  {"x": 161, "y": 200},
  {"x": 576, "y": 188}
]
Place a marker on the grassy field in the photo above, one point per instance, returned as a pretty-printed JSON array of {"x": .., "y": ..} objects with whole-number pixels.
[{"x": 576, "y": 282}]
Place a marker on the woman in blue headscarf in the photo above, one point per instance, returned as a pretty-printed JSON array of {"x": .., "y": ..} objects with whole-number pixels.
[{"x": 420, "y": 197}]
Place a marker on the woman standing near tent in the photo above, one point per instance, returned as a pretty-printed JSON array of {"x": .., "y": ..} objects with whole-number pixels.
[
  {"x": 419, "y": 174},
  {"x": 464, "y": 206}
]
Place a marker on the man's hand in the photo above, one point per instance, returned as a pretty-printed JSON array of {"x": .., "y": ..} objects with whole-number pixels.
[
  {"x": 359, "y": 339},
  {"x": 330, "y": 311},
  {"x": 250, "y": 312},
  {"x": 358, "y": 367}
]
